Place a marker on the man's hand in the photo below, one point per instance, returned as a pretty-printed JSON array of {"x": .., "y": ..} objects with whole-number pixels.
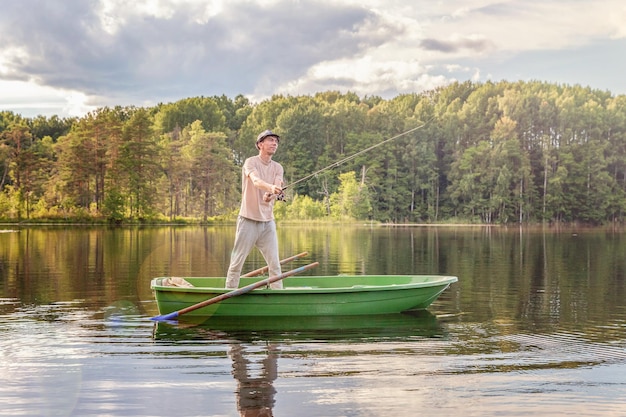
[{"x": 276, "y": 191}]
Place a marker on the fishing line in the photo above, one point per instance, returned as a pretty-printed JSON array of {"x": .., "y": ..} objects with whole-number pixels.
[{"x": 344, "y": 160}]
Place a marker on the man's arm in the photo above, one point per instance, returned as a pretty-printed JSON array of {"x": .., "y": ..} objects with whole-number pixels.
[{"x": 264, "y": 185}]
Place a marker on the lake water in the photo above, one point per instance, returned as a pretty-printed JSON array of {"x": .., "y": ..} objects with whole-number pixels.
[{"x": 536, "y": 325}]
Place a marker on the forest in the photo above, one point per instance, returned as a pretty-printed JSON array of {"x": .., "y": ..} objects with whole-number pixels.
[{"x": 492, "y": 153}]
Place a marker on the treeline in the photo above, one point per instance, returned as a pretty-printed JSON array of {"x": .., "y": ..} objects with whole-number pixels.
[{"x": 503, "y": 152}]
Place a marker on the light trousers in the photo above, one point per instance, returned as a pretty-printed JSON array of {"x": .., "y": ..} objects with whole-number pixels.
[{"x": 251, "y": 233}]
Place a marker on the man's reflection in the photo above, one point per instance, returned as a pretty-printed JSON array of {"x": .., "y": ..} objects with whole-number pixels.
[{"x": 255, "y": 389}]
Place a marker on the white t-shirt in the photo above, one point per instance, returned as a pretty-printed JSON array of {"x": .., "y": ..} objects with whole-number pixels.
[{"x": 252, "y": 204}]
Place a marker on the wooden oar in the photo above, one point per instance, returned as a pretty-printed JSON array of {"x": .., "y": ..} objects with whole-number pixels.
[
  {"x": 233, "y": 293},
  {"x": 266, "y": 268}
]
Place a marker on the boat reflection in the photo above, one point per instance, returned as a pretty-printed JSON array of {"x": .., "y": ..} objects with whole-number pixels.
[{"x": 415, "y": 324}]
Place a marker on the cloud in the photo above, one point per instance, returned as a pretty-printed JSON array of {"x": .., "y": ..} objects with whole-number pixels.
[
  {"x": 247, "y": 47},
  {"x": 366, "y": 76},
  {"x": 141, "y": 52},
  {"x": 477, "y": 45},
  {"x": 28, "y": 98},
  {"x": 531, "y": 24}
]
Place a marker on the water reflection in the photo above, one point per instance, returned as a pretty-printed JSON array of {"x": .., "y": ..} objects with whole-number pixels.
[
  {"x": 412, "y": 325},
  {"x": 255, "y": 344},
  {"x": 255, "y": 374},
  {"x": 254, "y": 365},
  {"x": 536, "y": 324}
]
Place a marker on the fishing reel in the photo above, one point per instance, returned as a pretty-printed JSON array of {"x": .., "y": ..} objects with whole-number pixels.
[{"x": 268, "y": 196}]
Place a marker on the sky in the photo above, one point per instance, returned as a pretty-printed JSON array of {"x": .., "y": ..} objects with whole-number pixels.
[{"x": 69, "y": 57}]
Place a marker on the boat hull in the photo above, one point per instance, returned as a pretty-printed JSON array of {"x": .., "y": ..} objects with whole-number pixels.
[{"x": 306, "y": 296}]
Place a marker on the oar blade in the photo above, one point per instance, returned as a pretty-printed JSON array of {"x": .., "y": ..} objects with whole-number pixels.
[{"x": 166, "y": 317}]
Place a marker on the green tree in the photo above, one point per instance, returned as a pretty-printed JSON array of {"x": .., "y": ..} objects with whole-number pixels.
[
  {"x": 20, "y": 162},
  {"x": 85, "y": 158},
  {"x": 235, "y": 111},
  {"x": 302, "y": 127},
  {"x": 509, "y": 168},
  {"x": 53, "y": 126},
  {"x": 212, "y": 172},
  {"x": 469, "y": 179},
  {"x": 351, "y": 201},
  {"x": 263, "y": 116},
  {"x": 301, "y": 208},
  {"x": 176, "y": 170},
  {"x": 139, "y": 162},
  {"x": 186, "y": 111}
]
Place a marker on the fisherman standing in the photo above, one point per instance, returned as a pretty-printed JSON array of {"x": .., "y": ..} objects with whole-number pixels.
[{"x": 261, "y": 186}]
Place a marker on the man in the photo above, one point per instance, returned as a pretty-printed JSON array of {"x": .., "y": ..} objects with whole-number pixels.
[{"x": 261, "y": 185}]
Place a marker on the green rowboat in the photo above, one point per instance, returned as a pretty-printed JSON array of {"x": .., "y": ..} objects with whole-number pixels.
[{"x": 342, "y": 295}]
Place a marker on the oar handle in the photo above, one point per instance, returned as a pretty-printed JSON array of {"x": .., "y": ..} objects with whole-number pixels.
[
  {"x": 234, "y": 293},
  {"x": 266, "y": 268}
]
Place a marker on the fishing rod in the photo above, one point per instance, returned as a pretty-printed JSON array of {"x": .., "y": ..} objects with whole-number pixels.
[{"x": 337, "y": 163}]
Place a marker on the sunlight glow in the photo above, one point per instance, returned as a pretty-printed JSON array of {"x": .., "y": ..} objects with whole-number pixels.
[{"x": 30, "y": 99}]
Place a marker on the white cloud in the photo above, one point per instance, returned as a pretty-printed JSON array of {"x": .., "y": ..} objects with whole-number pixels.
[
  {"x": 26, "y": 97},
  {"x": 149, "y": 51},
  {"x": 114, "y": 14},
  {"x": 365, "y": 76},
  {"x": 617, "y": 21},
  {"x": 529, "y": 25}
]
